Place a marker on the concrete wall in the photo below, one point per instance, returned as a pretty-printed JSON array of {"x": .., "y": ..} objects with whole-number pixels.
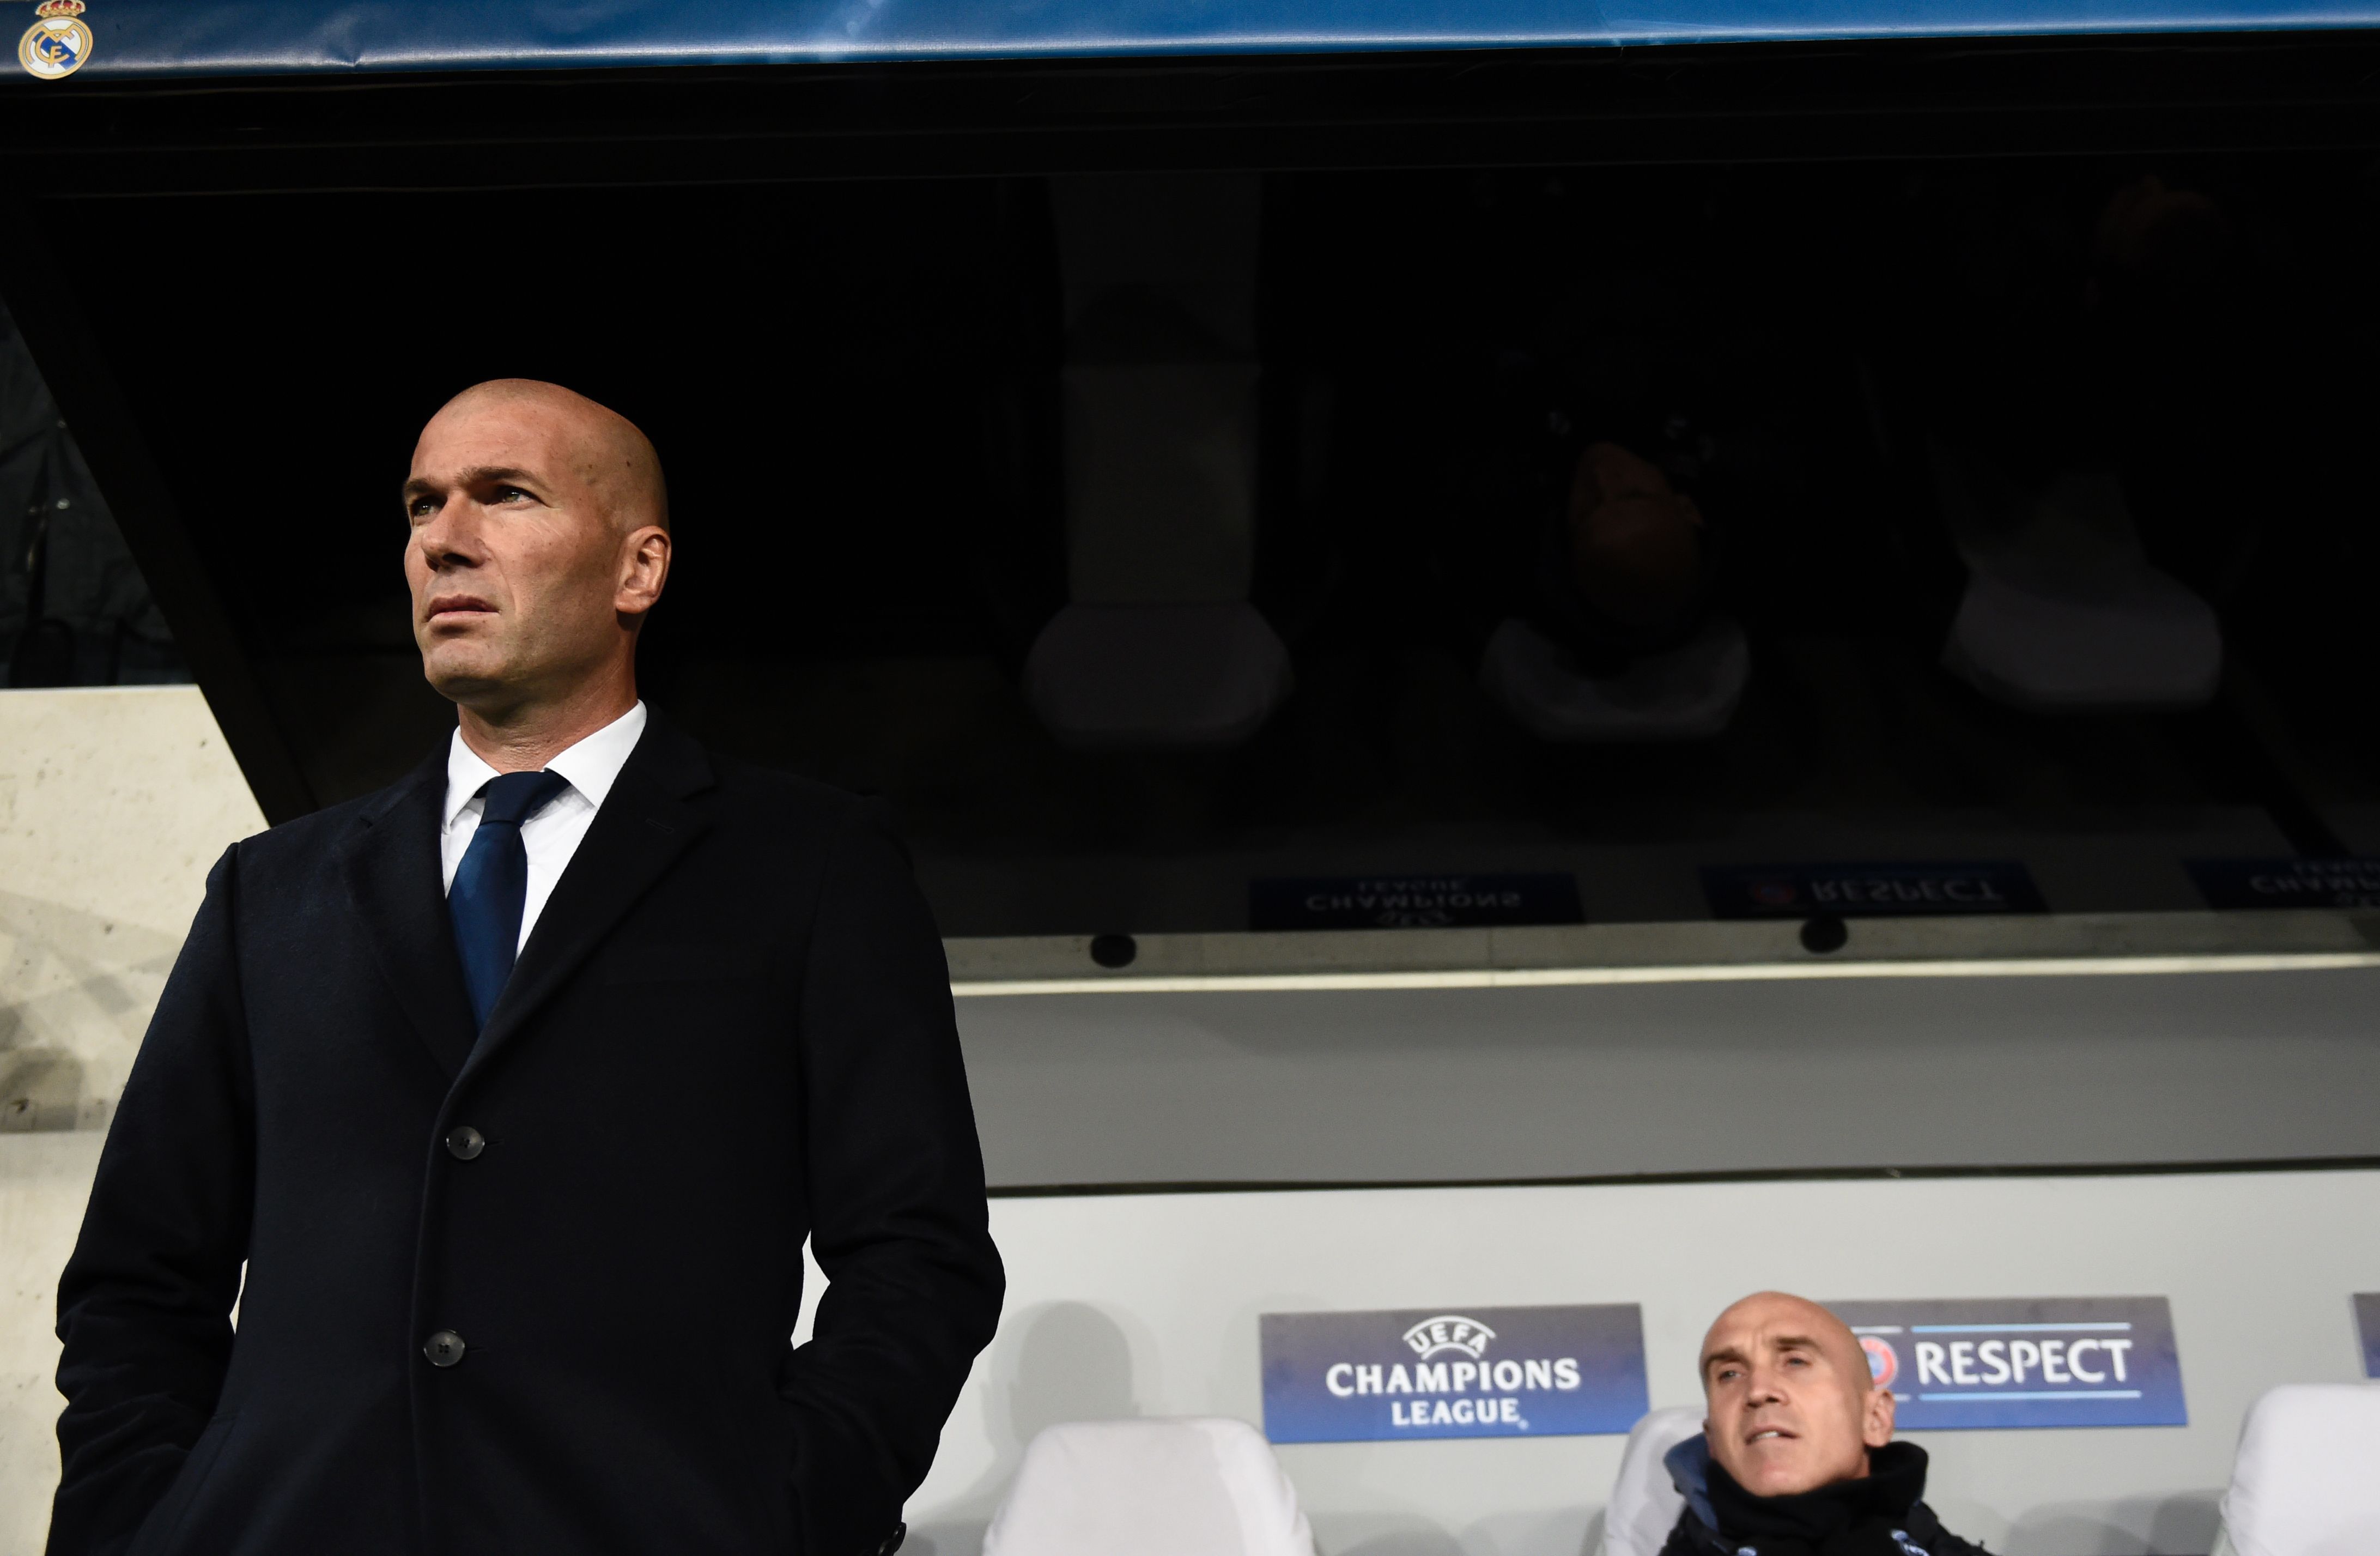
[
  {"x": 112, "y": 803},
  {"x": 44, "y": 1181}
]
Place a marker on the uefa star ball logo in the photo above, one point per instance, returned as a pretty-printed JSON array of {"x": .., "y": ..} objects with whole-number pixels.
[
  {"x": 56, "y": 45},
  {"x": 1449, "y": 1331},
  {"x": 1882, "y": 1361}
]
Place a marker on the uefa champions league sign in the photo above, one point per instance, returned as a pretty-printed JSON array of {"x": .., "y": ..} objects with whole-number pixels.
[
  {"x": 2051, "y": 1362},
  {"x": 1453, "y": 1372}
]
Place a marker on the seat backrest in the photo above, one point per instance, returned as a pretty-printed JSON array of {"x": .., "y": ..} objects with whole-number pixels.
[
  {"x": 2307, "y": 1478},
  {"x": 1160, "y": 481},
  {"x": 2062, "y": 611},
  {"x": 1159, "y": 390},
  {"x": 1645, "y": 1505},
  {"x": 1202, "y": 1486}
]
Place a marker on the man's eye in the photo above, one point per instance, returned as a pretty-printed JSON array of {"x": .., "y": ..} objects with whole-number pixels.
[{"x": 510, "y": 495}]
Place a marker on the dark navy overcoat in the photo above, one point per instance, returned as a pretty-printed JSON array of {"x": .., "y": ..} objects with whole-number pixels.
[{"x": 730, "y": 1029}]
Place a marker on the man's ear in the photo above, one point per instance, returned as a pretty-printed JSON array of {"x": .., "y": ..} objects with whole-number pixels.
[
  {"x": 1876, "y": 1420},
  {"x": 644, "y": 568}
]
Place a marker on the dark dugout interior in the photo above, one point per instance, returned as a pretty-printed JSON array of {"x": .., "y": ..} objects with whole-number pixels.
[{"x": 1789, "y": 281}]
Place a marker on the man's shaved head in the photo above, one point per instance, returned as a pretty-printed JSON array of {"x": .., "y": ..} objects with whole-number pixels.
[
  {"x": 1815, "y": 1322},
  {"x": 1793, "y": 1404},
  {"x": 539, "y": 541},
  {"x": 609, "y": 452}
]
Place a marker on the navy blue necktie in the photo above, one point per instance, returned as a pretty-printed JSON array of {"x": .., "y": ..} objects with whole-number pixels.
[{"x": 491, "y": 884}]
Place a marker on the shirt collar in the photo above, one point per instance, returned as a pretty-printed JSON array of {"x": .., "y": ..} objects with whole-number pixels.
[{"x": 592, "y": 766}]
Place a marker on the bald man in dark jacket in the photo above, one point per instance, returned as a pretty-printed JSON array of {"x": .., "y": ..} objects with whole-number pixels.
[
  {"x": 1796, "y": 1457},
  {"x": 501, "y": 1103}
]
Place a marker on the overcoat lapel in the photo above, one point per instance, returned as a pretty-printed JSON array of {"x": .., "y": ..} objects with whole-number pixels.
[
  {"x": 644, "y": 824},
  {"x": 391, "y": 864}
]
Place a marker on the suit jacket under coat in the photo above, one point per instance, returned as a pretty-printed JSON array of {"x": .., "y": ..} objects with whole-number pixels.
[{"x": 731, "y": 1028}]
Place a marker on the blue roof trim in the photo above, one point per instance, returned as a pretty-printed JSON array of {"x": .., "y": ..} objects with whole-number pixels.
[{"x": 186, "y": 37}]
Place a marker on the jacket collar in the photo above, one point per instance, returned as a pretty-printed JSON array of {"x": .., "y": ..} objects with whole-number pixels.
[
  {"x": 391, "y": 864},
  {"x": 1689, "y": 1467},
  {"x": 390, "y": 861}
]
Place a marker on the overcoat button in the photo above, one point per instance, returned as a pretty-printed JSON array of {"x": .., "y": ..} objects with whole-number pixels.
[
  {"x": 893, "y": 1541},
  {"x": 463, "y": 1142},
  {"x": 444, "y": 1348}
]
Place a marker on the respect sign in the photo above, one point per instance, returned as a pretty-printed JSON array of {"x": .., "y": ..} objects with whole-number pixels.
[
  {"x": 1870, "y": 891},
  {"x": 1448, "y": 1372},
  {"x": 2102, "y": 1361}
]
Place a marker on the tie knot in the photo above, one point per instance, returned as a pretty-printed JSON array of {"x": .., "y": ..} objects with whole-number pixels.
[{"x": 516, "y": 796}]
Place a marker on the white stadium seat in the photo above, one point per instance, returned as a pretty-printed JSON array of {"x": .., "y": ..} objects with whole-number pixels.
[
  {"x": 1689, "y": 693},
  {"x": 2062, "y": 613},
  {"x": 2306, "y": 1481},
  {"x": 1201, "y": 1486},
  {"x": 1645, "y": 1505},
  {"x": 1181, "y": 677}
]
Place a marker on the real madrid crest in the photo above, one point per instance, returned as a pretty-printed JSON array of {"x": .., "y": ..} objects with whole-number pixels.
[{"x": 57, "y": 43}]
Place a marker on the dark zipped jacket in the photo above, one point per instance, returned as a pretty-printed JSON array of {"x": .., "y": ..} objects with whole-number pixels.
[{"x": 1697, "y": 1532}]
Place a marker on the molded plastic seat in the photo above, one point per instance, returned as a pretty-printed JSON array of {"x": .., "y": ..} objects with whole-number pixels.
[
  {"x": 1198, "y": 676},
  {"x": 2062, "y": 613},
  {"x": 2137, "y": 641},
  {"x": 1203, "y": 1485},
  {"x": 1644, "y": 1503},
  {"x": 1689, "y": 693},
  {"x": 2303, "y": 1482}
]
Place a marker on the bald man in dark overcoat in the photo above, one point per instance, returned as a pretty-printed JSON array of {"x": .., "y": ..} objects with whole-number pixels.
[{"x": 499, "y": 1104}]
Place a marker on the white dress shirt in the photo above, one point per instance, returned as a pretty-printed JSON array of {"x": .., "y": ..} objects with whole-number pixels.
[{"x": 552, "y": 836}]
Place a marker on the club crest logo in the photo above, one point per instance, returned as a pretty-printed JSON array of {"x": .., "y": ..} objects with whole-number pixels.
[
  {"x": 56, "y": 45},
  {"x": 1449, "y": 1331},
  {"x": 1882, "y": 1361}
]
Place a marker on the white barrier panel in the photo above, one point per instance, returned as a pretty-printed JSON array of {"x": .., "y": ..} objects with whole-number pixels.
[
  {"x": 113, "y": 802},
  {"x": 1149, "y": 1305},
  {"x": 1968, "y": 1068}
]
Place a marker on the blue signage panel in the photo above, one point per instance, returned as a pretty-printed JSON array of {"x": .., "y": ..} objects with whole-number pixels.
[
  {"x": 1411, "y": 901},
  {"x": 2287, "y": 882},
  {"x": 2088, "y": 1361},
  {"x": 1453, "y": 1372},
  {"x": 2367, "y": 1327},
  {"x": 1870, "y": 891},
  {"x": 178, "y": 38}
]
